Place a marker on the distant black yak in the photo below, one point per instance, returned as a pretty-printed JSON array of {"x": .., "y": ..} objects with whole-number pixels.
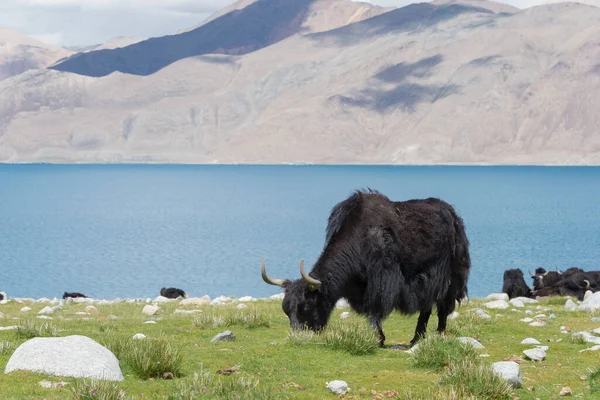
[
  {"x": 2, "y": 296},
  {"x": 574, "y": 282},
  {"x": 514, "y": 284},
  {"x": 383, "y": 255},
  {"x": 172, "y": 293},
  {"x": 73, "y": 295}
]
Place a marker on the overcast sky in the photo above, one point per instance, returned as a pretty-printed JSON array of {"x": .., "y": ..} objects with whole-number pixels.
[{"x": 86, "y": 22}]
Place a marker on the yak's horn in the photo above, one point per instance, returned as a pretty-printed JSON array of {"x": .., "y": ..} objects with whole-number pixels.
[
  {"x": 312, "y": 282},
  {"x": 588, "y": 283},
  {"x": 558, "y": 270},
  {"x": 532, "y": 275},
  {"x": 276, "y": 282}
]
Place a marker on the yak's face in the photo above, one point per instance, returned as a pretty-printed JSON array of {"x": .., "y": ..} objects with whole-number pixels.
[{"x": 306, "y": 308}]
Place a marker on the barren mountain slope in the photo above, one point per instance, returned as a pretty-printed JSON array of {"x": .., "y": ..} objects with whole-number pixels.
[
  {"x": 252, "y": 26},
  {"x": 19, "y": 53},
  {"x": 421, "y": 84}
]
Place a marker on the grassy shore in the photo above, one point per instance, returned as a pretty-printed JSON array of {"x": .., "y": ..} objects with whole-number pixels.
[{"x": 267, "y": 362}]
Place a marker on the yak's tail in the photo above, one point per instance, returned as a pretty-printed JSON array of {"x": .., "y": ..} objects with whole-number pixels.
[{"x": 341, "y": 211}]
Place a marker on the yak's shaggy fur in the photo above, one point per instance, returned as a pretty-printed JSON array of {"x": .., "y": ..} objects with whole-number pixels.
[{"x": 383, "y": 255}]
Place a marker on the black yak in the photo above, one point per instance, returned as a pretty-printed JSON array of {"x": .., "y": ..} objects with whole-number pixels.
[
  {"x": 2, "y": 296},
  {"x": 173, "y": 293},
  {"x": 73, "y": 295},
  {"x": 514, "y": 284},
  {"x": 574, "y": 282},
  {"x": 383, "y": 255}
]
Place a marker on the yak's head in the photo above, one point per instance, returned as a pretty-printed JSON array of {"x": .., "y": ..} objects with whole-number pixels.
[
  {"x": 303, "y": 301},
  {"x": 543, "y": 278}
]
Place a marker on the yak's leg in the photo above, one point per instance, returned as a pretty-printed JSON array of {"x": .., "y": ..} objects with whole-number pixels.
[
  {"x": 375, "y": 323},
  {"x": 421, "y": 326}
]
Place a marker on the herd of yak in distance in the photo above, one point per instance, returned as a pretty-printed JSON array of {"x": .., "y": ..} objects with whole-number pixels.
[{"x": 383, "y": 255}]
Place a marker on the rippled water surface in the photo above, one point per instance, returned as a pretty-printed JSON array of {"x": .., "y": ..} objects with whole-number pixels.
[{"x": 127, "y": 230}]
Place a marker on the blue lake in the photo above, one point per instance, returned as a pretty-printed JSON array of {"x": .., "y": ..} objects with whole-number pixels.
[{"x": 127, "y": 230}]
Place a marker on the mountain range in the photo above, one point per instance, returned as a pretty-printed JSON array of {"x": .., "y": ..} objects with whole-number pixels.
[{"x": 323, "y": 81}]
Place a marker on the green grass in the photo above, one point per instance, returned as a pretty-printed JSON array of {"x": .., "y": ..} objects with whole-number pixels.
[
  {"x": 96, "y": 390},
  {"x": 273, "y": 363},
  {"x": 437, "y": 352},
  {"x": 474, "y": 378}
]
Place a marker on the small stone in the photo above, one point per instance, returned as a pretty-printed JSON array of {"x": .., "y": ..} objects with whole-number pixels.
[
  {"x": 597, "y": 330},
  {"x": 139, "y": 336},
  {"x": 540, "y": 316},
  {"x": 596, "y": 319},
  {"x": 587, "y": 294},
  {"x": 454, "y": 315},
  {"x": 226, "y": 336},
  {"x": 241, "y": 306},
  {"x": 510, "y": 371},
  {"x": 530, "y": 341},
  {"x": 517, "y": 303},
  {"x": 81, "y": 313},
  {"x": 246, "y": 299},
  {"x": 342, "y": 303},
  {"x": 537, "y": 323},
  {"x": 44, "y": 317},
  {"x": 150, "y": 310},
  {"x": 570, "y": 305},
  {"x": 528, "y": 312},
  {"x": 498, "y": 296},
  {"x": 25, "y": 309},
  {"x": 45, "y": 384},
  {"x": 46, "y": 310},
  {"x": 566, "y": 391},
  {"x": 471, "y": 341},
  {"x": 482, "y": 314},
  {"x": 337, "y": 387},
  {"x": 526, "y": 320},
  {"x": 91, "y": 309},
  {"x": 150, "y": 322},
  {"x": 552, "y": 316},
  {"x": 535, "y": 354},
  {"x": 345, "y": 315},
  {"x": 497, "y": 304}
]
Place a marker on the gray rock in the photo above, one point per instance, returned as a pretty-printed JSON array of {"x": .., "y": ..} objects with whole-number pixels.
[
  {"x": 587, "y": 294},
  {"x": 596, "y": 319},
  {"x": 46, "y": 310},
  {"x": 597, "y": 330},
  {"x": 526, "y": 320},
  {"x": 530, "y": 341},
  {"x": 529, "y": 312},
  {"x": 537, "y": 323},
  {"x": 150, "y": 322},
  {"x": 196, "y": 301},
  {"x": 482, "y": 314},
  {"x": 454, "y": 315},
  {"x": 74, "y": 356},
  {"x": 337, "y": 387},
  {"x": 591, "y": 304},
  {"x": 593, "y": 348},
  {"x": 471, "y": 341},
  {"x": 246, "y": 299},
  {"x": 278, "y": 296},
  {"x": 8, "y": 328},
  {"x": 497, "y": 304},
  {"x": 226, "y": 336},
  {"x": 525, "y": 300},
  {"x": 535, "y": 354},
  {"x": 498, "y": 296},
  {"x": 345, "y": 315},
  {"x": 25, "y": 309},
  {"x": 517, "y": 303},
  {"x": 150, "y": 310},
  {"x": 241, "y": 306},
  {"x": 570, "y": 305},
  {"x": 589, "y": 338},
  {"x": 45, "y": 384},
  {"x": 510, "y": 371},
  {"x": 139, "y": 336}
]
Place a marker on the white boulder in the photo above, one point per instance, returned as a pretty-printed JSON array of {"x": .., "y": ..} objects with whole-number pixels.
[{"x": 75, "y": 356}]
